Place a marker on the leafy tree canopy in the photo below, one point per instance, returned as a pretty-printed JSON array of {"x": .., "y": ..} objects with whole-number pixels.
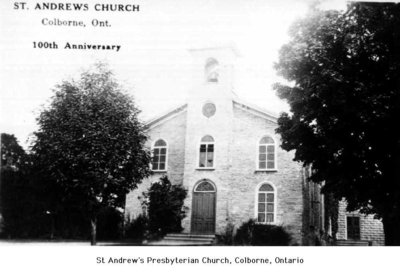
[
  {"x": 12, "y": 154},
  {"x": 91, "y": 142},
  {"x": 18, "y": 203},
  {"x": 343, "y": 70}
]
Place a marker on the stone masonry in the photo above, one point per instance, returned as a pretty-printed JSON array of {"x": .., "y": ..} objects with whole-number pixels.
[
  {"x": 371, "y": 229},
  {"x": 237, "y": 129}
]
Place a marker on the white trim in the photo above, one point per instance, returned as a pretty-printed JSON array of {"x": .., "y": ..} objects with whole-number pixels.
[
  {"x": 204, "y": 180},
  {"x": 275, "y": 202},
  {"x": 164, "y": 117},
  {"x": 198, "y": 154},
  {"x": 257, "y": 111},
  {"x": 166, "y": 155},
  {"x": 154, "y": 142},
  {"x": 205, "y": 168},
  {"x": 275, "y": 155}
]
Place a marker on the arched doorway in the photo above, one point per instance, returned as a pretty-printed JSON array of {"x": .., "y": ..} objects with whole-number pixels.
[{"x": 203, "y": 208}]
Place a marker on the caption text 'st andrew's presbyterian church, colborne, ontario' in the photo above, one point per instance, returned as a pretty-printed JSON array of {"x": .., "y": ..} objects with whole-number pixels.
[{"x": 227, "y": 154}]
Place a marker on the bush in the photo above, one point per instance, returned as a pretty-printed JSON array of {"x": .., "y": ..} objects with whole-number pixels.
[
  {"x": 22, "y": 207},
  {"x": 251, "y": 233},
  {"x": 227, "y": 237},
  {"x": 109, "y": 224},
  {"x": 137, "y": 229},
  {"x": 164, "y": 202}
]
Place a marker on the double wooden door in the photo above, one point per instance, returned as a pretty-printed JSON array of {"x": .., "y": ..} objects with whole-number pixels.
[{"x": 203, "y": 213}]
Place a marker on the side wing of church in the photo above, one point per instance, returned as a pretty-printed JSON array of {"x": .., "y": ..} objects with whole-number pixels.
[{"x": 227, "y": 154}]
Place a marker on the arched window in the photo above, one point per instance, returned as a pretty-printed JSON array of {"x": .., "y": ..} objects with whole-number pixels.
[
  {"x": 211, "y": 70},
  {"x": 204, "y": 186},
  {"x": 266, "y": 154},
  {"x": 266, "y": 204},
  {"x": 206, "y": 155},
  {"x": 159, "y": 159}
]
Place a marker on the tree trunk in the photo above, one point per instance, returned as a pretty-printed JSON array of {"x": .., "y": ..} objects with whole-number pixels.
[
  {"x": 52, "y": 227},
  {"x": 93, "y": 223}
]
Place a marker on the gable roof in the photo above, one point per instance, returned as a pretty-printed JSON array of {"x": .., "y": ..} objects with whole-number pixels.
[
  {"x": 165, "y": 116},
  {"x": 253, "y": 109},
  {"x": 256, "y": 110}
]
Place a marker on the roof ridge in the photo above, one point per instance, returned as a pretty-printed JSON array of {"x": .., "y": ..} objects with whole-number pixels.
[
  {"x": 165, "y": 114},
  {"x": 255, "y": 107}
]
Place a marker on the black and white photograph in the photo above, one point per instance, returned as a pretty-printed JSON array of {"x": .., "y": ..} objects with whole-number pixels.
[{"x": 200, "y": 135}]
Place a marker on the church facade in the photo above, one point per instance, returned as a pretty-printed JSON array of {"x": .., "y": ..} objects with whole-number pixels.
[{"x": 226, "y": 153}]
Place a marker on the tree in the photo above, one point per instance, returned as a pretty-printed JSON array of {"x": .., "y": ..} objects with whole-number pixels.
[
  {"x": 164, "y": 202},
  {"x": 31, "y": 204},
  {"x": 12, "y": 154},
  {"x": 19, "y": 206},
  {"x": 91, "y": 143},
  {"x": 343, "y": 70}
]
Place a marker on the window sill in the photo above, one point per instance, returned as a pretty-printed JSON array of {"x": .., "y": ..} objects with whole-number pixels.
[
  {"x": 158, "y": 171},
  {"x": 205, "y": 169},
  {"x": 266, "y": 170},
  {"x": 265, "y": 223}
]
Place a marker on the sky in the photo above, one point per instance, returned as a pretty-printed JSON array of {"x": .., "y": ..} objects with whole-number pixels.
[{"x": 153, "y": 63}]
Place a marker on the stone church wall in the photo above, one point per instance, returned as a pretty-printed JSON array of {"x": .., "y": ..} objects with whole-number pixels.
[
  {"x": 236, "y": 131},
  {"x": 371, "y": 229},
  {"x": 235, "y": 175},
  {"x": 173, "y": 132},
  {"x": 245, "y": 179}
]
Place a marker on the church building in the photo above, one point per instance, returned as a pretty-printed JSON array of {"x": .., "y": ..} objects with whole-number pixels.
[
  {"x": 226, "y": 153},
  {"x": 354, "y": 227}
]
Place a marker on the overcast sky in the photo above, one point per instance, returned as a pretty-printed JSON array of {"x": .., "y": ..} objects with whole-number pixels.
[{"x": 153, "y": 60}]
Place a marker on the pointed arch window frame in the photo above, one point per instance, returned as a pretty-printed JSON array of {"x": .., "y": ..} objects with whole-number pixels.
[
  {"x": 159, "y": 148},
  {"x": 258, "y": 146},
  {"x": 257, "y": 203},
  {"x": 206, "y": 145}
]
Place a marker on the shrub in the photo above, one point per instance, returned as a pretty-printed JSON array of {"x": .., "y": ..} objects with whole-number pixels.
[
  {"x": 137, "y": 229},
  {"x": 164, "y": 202},
  {"x": 109, "y": 224},
  {"x": 251, "y": 233},
  {"x": 22, "y": 206},
  {"x": 227, "y": 237}
]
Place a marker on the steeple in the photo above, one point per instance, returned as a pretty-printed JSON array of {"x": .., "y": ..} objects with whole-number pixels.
[
  {"x": 209, "y": 122},
  {"x": 214, "y": 66}
]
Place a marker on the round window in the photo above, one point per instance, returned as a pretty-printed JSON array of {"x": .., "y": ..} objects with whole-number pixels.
[{"x": 209, "y": 110}]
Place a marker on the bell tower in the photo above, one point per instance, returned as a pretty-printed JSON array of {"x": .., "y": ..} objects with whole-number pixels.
[
  {"x": 213, "y": 70},
  {"x": 210, "y": 118}
]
